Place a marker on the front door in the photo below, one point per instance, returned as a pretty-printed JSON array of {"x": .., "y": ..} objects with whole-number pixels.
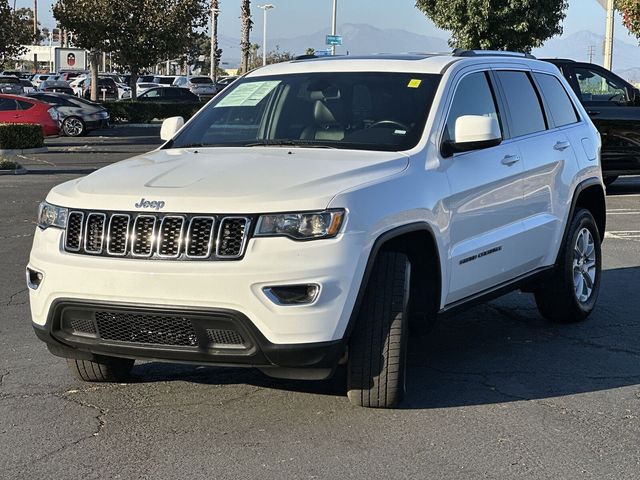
[{"x": 486, "y": 199}]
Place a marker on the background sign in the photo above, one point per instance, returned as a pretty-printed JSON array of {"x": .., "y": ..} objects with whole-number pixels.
[
  {"x": 334, "y": 40},
  {"x": 70, "y": 59}
]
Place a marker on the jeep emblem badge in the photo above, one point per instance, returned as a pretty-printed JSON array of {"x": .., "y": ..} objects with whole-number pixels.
[{"x": 155, "y": 204}]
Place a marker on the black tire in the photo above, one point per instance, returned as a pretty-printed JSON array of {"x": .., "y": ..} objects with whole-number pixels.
[
  {"x": 558, "y": 300},
  {"x": 73, "y": 127},
  {"x": 378, "y": 344},
  {"x": 609, "y": 180},
  {"x": 106, "y": 369}
]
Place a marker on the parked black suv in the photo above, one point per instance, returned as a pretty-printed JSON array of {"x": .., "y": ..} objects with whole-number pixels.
[{"x": 614, "y": 106}]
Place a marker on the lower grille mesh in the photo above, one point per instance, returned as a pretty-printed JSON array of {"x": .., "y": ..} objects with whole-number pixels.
[
  {"x": 151, "y": 329},
  {"x": 225, "y": 337}
]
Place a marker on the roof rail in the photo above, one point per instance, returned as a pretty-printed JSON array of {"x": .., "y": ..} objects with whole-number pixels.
[
  {"x": 308, "y": 56},
  {"x": 461, "y": 52}
]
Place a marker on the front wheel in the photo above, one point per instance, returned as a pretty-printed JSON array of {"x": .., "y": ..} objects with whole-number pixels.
[
  {"x": 570, "y": 294},
  {"x": 378, "y": 345},
  {"x": 73, "y": 127},
  {"x": 103, "y": 369}
]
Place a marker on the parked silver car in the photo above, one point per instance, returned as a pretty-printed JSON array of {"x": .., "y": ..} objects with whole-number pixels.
[
  {"x": 198, "y": 85},
  {"x": 11, "y": 85},
  {"x": 77, "y": 115}
]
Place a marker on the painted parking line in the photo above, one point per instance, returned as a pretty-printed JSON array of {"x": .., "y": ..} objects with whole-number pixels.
[
  {"x": 623, "y": 211},
  {"x": 633, "y": 235}
]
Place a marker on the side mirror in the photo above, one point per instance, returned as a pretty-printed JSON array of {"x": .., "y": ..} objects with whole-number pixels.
[
  {"x": 170, "y": 127},
  {"x": 473, "y": 132}
]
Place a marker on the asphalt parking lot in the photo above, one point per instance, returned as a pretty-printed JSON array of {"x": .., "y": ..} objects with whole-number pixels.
[{"x": 495, "y": 392}]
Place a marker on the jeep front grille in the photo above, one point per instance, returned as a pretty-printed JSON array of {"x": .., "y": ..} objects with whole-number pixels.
[{"x": 157, "y": 236}]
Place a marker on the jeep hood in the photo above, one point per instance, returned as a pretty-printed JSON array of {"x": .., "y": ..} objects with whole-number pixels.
[{"x": 229, "y": 180}]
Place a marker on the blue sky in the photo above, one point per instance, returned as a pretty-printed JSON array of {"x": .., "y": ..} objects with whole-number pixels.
[{"x": 291, "y": 18}]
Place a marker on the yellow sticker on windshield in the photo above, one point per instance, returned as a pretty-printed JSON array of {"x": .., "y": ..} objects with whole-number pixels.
[{"x": 414, "y": 83}]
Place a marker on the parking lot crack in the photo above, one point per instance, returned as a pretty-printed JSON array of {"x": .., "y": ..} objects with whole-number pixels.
[
  {"x": 12, "y": 297},
  {"x": 3, "y": 375}
]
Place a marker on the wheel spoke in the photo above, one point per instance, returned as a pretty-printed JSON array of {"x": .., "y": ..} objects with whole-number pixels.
[{"x": 587, "y": 280}]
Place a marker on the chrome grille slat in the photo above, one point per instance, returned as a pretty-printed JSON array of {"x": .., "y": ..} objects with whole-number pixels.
[
  {"x": 199, "y": 241},
  {"x": 170, "y": 236},
  {"x": 118, "y": 234},
  {"x": 73, "y": 236},
  {"x": 232, "y": 236},
  {"x": 143, "y": 236},
  {"x": 94, "y": 233},
  {"x": 157, "y": 236}
]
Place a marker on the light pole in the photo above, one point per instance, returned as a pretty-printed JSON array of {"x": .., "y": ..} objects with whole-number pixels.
[
  {"x": 215, "y": 11},
  {"x": 334, "y": 24},
  {"x": 264, "y": 8},
  {"x": 609, "y": 6}
]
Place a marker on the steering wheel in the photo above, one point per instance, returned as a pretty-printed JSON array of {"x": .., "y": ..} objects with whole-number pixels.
[
  {"x": 389, "y": 123},
  {"x": 613, "y": 98}
]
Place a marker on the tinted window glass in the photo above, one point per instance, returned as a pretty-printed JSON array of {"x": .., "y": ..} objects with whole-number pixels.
[
  {"x": 207, "y": 80},
  {"x": 524, "y": 105},
  {"x": 25, "y": 105},
  {"x": 556, "y": 98},
  {"x": 599, "y": 87},
  {"x": 153, "y": 93},
  {"x": 473, "y": 97},
  {"x": 7, "y": 105},
  {"x": 173, "y": 92}
]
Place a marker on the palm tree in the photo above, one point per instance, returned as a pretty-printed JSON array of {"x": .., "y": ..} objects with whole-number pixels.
[{"x": 245, "y": 28}]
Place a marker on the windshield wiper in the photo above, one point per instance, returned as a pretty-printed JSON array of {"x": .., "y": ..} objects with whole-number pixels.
[{"x": 287, "y": 143}]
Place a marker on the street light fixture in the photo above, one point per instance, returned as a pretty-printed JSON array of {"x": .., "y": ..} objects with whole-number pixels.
[{"x": 264, "y": 8}]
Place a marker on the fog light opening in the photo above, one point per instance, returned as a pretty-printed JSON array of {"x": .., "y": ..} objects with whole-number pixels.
[
  {"x": 292, "y": 294},
  {"x": 34, "y": 278}
]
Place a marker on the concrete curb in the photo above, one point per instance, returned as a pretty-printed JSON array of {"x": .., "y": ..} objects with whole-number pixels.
[
  {"x": 17, "y": 171},
  {"x": 22, "y": 151},
  {"x": 137, "y": 125}
]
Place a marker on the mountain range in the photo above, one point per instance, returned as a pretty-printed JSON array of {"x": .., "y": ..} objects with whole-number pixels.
[{"x": 361, "y": 39}]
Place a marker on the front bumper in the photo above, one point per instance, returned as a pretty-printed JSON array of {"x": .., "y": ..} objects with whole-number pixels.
[
  {"x": 304, "y": 361},
  {"x": 337, "y": 265}
]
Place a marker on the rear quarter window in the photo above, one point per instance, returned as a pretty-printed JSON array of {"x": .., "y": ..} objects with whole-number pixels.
[
  {"x": 523, "y": 103},
  {"x": 557, "y": 100}
]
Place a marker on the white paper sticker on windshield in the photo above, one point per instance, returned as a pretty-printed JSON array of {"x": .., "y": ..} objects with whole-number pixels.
[{"x": 248, "y": 94}]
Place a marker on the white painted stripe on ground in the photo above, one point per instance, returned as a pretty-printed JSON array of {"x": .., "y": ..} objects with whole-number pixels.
[{"x": 633, "y": 235}]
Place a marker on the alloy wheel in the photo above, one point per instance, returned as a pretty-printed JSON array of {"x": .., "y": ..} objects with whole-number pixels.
[{"x": 584, "y": 265}]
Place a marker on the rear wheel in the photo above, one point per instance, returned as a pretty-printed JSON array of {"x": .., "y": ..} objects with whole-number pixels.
[
  {"x": 571, "y": 294},
  {"x": 73, "y": 127},
  {"x": 378, "y": 345},
  {"x": 104, "y": 369}
]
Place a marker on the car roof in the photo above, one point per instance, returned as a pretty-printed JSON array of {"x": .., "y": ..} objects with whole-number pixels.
[{"x": 427, "y": 63}]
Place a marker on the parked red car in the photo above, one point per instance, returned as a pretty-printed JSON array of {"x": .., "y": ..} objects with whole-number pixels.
[{"x": 17, "y": 109}]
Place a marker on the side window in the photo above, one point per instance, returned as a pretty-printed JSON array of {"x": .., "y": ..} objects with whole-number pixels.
[
  {"x": 599, "y": 87},
  {"x": 524, "y": 104},
  {"x": 25, "y": 105},
  {"x": 7, "y": 105},
  {"x": 560, "y": 105},
  {"x": 473, "y": 97},
  {"x": 156, "y": 92}
]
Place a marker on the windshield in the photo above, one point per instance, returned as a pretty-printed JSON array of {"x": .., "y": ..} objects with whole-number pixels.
[
  {"x": 9, "y": 80},
  {"x": 201, "y": 80},
  {"x": 360, "y": 110}
]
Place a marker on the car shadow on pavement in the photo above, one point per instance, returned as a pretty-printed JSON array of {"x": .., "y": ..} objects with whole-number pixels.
[
  {"x": 499, "y": 352},
  {"x": 624, "y": 186}
]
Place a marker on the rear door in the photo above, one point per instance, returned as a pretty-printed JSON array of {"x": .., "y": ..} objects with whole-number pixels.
[
  {"x": 486, "y": 198},
  {"x": 610, "y": 103},
  {"x": 546, "y": 145}
]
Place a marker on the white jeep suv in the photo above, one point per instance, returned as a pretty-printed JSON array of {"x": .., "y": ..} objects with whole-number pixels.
[{"x": 317, "y": 209}]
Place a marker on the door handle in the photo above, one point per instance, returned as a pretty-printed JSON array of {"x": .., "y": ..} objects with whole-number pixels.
[
  {"x": 561, "y": 146},
  {"x": 593, "y": 112},
  {"x": 510, "y": 160}
]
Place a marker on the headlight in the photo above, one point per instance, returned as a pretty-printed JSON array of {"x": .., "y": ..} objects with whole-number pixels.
[
  {"x": 301, "y": 226},
  {"x": 52, "y": 216}
]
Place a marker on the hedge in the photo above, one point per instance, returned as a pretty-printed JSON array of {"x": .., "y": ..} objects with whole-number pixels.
[
  {"x": 14, "y": 136},
  {"x": 146, "y": 112}
]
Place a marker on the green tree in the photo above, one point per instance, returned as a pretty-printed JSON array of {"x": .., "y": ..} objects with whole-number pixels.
[
  {"x": 517, "y": 25},
  {"x": 89, "y": 21},
  {"x": 138, "y": 34},
  {"x": 630, "y": 15},
  {"x": 17, "y": 30},
  {"x": 273, "y": 56}
]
